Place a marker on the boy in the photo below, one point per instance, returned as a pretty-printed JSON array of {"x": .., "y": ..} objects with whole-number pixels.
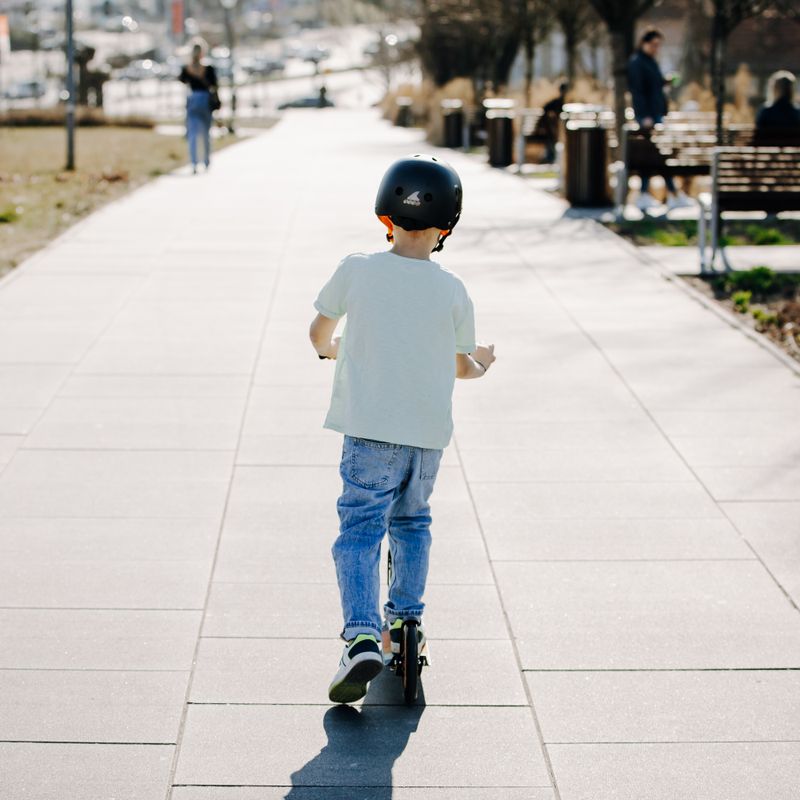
[{"x": 410, "y": 331}]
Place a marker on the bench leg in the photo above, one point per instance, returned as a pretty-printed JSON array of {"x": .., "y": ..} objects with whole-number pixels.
[{"x": 701, "y": 237}]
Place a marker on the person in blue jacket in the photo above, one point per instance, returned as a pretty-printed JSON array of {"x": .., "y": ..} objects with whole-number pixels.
[{"x": 646, "y": 83}]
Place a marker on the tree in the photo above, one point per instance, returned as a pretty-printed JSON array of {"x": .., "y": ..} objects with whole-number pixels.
[
  {"x": 478, "y": 39},
  {"x": 575, "y": 18},
  {"x": 620, "y": 18},
  {"x": 727, "y": 16},
  {"x": 535, "y": 19}
]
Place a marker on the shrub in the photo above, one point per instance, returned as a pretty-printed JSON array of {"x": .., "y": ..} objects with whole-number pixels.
[
  {"x": 741, "y": 301},
  {"x": 759, "y": 281},
  {"x": 84, "y": 117},
  {"x": 766, "y": 236},
  {"x": 8, "y": 215}
]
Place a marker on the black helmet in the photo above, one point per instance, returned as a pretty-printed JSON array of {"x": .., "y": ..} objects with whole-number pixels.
[{"x": 419, "y": 192}]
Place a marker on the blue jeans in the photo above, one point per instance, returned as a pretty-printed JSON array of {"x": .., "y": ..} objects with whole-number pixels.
[
  {"x": 386, "y": 488},
  {"x": 198, "y": 124}
]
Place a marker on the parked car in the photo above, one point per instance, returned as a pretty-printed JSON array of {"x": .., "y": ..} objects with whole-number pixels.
[
  {"x": 307, "y": 102},
  {"x": 26, "y": 90},
  {"x": 139, "y": 70},
  {"x": 261, "y": 65}
]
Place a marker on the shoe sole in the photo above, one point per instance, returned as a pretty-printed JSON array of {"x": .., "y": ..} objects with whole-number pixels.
[{"x": 353, "y": 686}]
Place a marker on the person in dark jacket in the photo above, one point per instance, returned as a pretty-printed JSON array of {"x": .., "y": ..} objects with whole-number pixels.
[
  {"x": 782, "y": 114},
  {"x": 548, "y": 123},
  {"x": 201, "y": 79},
  {"x": 646, "y": 84}
]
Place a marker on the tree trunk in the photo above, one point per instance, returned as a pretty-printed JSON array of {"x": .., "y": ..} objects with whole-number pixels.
[
  {"x": 620, "y": 51},
  {"x": 530, "y": 55},
  {"x": 719, "y": 37},
  {"x": 571, "y": 45}
]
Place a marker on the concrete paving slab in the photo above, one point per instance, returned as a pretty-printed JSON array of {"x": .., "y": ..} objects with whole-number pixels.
[
  {"x": 645, "y": 706},
  {"x": 720, "y": 771},
  {"x": 88, "y": 771},
  {"x": 139, "y": 423},
  {"x": 515, "y": 504},
  {"x": 91, "y": 706},
  {"x": 615, "y": 539},
  {"x": 116, "y": 483},
  {"x": 148, "y": 386},
  {"x": 740, "y": 451},
  {"x": 774, "y": 482},
  {"x": 254, "y": 671},
  {"x": 654, "y": 464},
  {"x": 300, "y": 611},
  {"x": 649, "y": 615},
  {"x": 30, "y": 385},
  {"x": 356, "y": 793},
  {"x": 98, "y": 639},
  {"x": 8, "y": 446},
  {"x": 773, "y": 530},
  {"x": 375, "y": 746}
]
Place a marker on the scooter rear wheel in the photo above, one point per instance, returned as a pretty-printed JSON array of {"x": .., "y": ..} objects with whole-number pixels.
[{"x": 410, "y": 661}]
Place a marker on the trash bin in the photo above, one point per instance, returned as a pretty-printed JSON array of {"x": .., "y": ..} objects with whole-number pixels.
[
  {"x": 585, "y": 164},
  {"x": 453, "y": 114},
  {"x": 500, "y": 130},
  {"x": 404, "y": 116}
]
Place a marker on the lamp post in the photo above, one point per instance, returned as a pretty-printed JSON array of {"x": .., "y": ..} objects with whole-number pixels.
[
  {"x": 70, "y": 87},
  {"x": 228, "y": 6}
]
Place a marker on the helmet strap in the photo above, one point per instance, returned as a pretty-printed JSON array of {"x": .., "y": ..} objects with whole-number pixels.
[
  {"x": 390, "y": 227},
  {"x": 440, "y": 242}
]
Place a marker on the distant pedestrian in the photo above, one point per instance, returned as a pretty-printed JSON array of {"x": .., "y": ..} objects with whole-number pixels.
[
  {"x": 549, "y": 122},
  {"x": 781, "y": 115},
  {"x": 410, "y": 332},
  {"x": 646, "y": 84},
  {"x": 201, "y": 78}
]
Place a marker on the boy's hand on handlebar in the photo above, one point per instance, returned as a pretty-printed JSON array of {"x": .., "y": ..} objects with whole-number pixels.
[
  {"x": 484, "y": 355},
  {"x": 332, "y": 350}
]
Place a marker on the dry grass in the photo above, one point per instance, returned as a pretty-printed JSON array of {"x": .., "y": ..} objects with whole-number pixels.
[{"x": 38, "y": 200}]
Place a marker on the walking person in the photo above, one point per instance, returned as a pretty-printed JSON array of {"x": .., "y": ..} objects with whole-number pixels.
[
  {"x": 646, "y": 84},
  {"x": 410, "y": 332},
  {"x": 201, "y": 78}
]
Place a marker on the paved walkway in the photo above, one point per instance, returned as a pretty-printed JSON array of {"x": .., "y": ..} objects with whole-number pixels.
[{"x": 615, "y": 583}]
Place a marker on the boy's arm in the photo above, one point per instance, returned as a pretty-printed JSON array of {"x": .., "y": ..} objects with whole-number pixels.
[
  {"x": 321, "y": 335},
  {"x": 475, "y": 364}
]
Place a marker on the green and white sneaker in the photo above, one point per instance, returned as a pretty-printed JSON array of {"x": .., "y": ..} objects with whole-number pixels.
[
  {"x": 396, "y": 632},
  {"x": 361, "y": 662}
]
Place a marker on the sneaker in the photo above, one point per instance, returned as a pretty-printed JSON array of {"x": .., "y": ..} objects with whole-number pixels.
[
  {"x": 645, "y": 201},
  {"x": 396, "y": 632},
  {"x": 361, "y": 662},
  {"x": 679, "y": 200}
]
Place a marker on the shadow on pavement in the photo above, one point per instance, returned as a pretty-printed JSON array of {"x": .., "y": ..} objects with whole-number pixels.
[{"x": 363, "y": 744}]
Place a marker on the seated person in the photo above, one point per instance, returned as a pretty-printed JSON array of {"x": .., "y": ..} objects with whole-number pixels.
[{"x": 782, "y": 114}]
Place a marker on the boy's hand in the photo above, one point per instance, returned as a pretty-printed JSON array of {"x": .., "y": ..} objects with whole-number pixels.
[
  {"x": 331, "y": 351},
  {"x": 484, "y": 355}
]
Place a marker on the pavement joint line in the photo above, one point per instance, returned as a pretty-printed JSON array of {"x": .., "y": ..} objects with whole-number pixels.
[
  {"x": 609, "y": 560},
  {"x": 392, "y": 785},
  {"x": 86, "y": 742},
  {"x": 270, "y": 303},
  {"x": 226, "y": 703},
  {"x": 89, "y": 669},
  {"x": 663, "y": 669},
  {"x": 510, "y": 634},
  {"x": 90, "y": 608},
  {"x": 686, "y": 741},
  {"x": 717, "y": 502}
]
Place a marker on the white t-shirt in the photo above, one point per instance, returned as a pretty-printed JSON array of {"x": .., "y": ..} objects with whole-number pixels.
[{"x": 406, "y": 320}]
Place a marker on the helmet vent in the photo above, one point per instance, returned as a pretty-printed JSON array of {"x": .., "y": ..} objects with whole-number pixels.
[
  {"x": 398, "y": 191},
  {"x": 428, "y": 197}
]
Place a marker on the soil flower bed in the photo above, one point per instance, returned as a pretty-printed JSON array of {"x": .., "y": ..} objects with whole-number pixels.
[
  {"x": 769, "y": 300},
  {"x": 683, "y": 232}
]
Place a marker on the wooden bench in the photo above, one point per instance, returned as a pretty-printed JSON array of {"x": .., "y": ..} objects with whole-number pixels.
[{"x": 765, "y": 179}]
